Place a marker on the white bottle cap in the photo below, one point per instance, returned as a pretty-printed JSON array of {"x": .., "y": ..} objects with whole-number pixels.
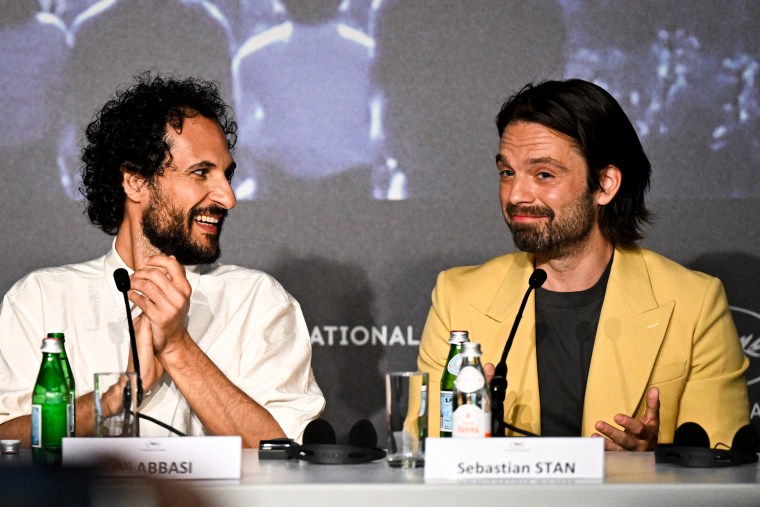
[
  {"x": 10, "y": 446},
  {"x": 51, "y": 345},
  {"x": 471, "y": 349},
  {"x": 459, "y": 337}
]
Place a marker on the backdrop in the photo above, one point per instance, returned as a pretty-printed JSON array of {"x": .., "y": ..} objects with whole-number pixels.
[{"x": 367, "y": 142}]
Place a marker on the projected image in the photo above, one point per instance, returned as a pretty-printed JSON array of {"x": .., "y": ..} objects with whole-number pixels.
[
  {"x": 387, "y": 99},
  {"x": 686, "y": 78},
  {"x": 297, "y": 73},
  {"x": 311, "y": 119},
  {"x": 33, "y": 54}
]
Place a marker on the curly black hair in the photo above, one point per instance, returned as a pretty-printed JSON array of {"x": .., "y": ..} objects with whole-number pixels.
[{"x": 129, "y": 134}]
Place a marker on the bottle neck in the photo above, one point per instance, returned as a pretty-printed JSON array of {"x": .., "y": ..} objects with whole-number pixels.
[
  {"x": 51, "y": 373},
  {"x": 454, "y": 350},
  {"x": 51, "y": 362}
]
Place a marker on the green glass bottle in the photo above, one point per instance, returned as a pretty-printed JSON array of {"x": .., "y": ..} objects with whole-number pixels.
[
  {"x": 450, "y": 372},
  {"x": 68, "y": 374},
  {"x": 50, "y": 406}
]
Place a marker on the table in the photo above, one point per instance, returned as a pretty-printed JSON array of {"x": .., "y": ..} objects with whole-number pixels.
[{"x": 630, "y": 479}]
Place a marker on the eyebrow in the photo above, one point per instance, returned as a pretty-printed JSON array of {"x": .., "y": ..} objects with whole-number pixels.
[
  {"x": 205, "y": 164},
  {"x": 535, "y": 161},
  {"x": 502, "y": 160},
  {"x": 548, "y": 161}
]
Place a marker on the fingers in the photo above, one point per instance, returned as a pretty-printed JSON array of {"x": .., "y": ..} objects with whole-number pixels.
[
  {"x": 488, "y": 371},
  {"x": 165, "y": 272},
  {"x": 616, "y": 439},
  {"x": 609, "y": 445},
  {"x": 173, "y": 269},
  {"x": 144, "y": 341},
  {"x": 632, "y": 426},
  {"x": 150, "y": 370},
  {"x": 144, "y": 337},
  {"x": 111, "y": 401},
  {"x": 653, "y": 406},
  {"x": 151, "y": 288},
  {"x": 161, "y": 290},
  {"x": 161, "y": 284},
  {"x": 636, "y": 435}
]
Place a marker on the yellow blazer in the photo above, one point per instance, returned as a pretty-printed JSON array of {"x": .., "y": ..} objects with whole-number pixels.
[{"x": 660, "y": 325}]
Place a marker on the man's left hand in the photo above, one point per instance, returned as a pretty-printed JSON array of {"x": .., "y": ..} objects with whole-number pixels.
[
  {"x": 165, "y": 299},
  {"x": 488, "y": 371},
  {"x": 638, "y": 434}
]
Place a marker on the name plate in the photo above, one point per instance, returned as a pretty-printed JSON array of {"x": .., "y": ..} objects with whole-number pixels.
[
  {"x": 513, "y": 458},
  {"x": 166, "y": 458}
]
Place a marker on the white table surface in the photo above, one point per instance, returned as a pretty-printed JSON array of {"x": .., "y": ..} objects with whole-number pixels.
[{"x": 630, "y": 479}]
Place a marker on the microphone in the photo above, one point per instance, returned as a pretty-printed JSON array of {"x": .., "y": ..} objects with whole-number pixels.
[
  {"x": 121, "y": 277},
  {"x": 498, "y": 385},
  {"x": 691, "y": 448},
  {"x": 691, "y": 434},
  {"x": 746, "y": 438},
  {"x": 319, "y": 444},
  {"x": 363, "y": 434},
  {"x": 319, "y": 431}
]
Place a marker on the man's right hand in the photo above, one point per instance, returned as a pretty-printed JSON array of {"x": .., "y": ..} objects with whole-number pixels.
[{"x": 151, "y": 369}]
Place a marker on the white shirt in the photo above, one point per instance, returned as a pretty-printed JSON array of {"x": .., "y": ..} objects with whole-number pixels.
[{"x": 246, "y": 323}]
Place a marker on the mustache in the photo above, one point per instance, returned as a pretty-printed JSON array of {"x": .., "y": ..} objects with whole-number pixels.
[{"x": 530, "y": 211}]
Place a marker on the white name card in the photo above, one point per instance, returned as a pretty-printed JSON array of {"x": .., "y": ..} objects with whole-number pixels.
[
  {"x": 166, "y": 458},
  {"x": 513, "y": 458}
]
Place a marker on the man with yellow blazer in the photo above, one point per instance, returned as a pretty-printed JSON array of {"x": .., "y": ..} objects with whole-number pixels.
[{"x": 665, "y": 349}]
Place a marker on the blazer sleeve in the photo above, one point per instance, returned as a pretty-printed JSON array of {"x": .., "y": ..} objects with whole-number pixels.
[
  {"x": 434, "y": 348},
  {"x": 715, "y": 395}
]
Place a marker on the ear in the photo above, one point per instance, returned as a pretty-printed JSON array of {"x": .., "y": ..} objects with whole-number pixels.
[
  {"x": 134, "y": 186},
  {"x": 610, "y": 179}
]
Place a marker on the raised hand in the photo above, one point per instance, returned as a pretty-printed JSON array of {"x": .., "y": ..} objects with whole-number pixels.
[{"x": 638, "y": 434}]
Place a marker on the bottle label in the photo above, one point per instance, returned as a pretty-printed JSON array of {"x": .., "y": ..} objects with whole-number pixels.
[
  {"x": 470, "y": 421},
  {"x": 70, "y": 417},
  {"x": 455, "y": 365},
  {"x": 470, "y": 379},
  {"x": 447, "y": 408},
  {"x": 36, "y": 426}
]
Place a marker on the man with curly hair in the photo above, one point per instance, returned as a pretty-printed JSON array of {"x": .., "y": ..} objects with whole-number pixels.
[{"x": 223, "y": 350}]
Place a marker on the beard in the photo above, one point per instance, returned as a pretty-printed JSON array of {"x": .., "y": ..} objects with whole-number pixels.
[
  {"x": 558, "y": 236},
  {"x": 169, "y": 230}
]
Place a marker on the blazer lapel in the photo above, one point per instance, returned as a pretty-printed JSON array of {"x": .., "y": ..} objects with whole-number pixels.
[
  {"x": 631, "y": 329},
  {"x": 521, "y": 405}
]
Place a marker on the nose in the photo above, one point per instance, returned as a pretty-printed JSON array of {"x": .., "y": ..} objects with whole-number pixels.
[
  {"x": 517, "y": 191},
  {"x": 223, "y": 194}
]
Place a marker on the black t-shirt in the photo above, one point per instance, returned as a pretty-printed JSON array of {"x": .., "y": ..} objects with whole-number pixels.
[{"x": 566, "y": 325}]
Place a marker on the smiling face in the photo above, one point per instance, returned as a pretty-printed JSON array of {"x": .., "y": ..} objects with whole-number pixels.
[
  {"x": 544, "y": 191},
  {"x": 189, "y": 201}
]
